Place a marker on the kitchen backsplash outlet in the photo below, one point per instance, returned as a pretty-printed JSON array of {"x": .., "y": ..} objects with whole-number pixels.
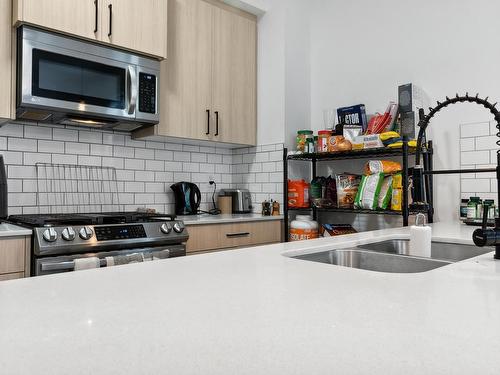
[{"x": 145, "y": 169}]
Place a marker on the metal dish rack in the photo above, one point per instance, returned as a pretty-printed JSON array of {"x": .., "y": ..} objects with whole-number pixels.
[{"x": 67, "y": 188}]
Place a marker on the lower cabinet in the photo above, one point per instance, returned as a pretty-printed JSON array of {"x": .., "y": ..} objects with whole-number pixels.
[
  {"x": 212, "y": 237},
  {"x": 14, "y": 257}
]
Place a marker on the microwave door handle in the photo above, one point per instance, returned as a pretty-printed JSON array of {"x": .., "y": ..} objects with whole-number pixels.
[{"x": 132, "y": 89}]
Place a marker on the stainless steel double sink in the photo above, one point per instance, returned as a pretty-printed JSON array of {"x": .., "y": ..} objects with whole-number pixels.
[{"x": 394, "y": 256}]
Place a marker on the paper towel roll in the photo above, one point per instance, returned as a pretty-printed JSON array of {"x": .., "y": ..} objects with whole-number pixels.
[{"x": 420, "y": 241}]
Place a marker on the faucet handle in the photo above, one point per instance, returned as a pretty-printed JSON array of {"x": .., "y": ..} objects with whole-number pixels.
[{"x": 486, "y": 208}]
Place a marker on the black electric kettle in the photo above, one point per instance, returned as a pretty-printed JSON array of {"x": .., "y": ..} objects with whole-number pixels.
[{"x": 187, "y": 198}]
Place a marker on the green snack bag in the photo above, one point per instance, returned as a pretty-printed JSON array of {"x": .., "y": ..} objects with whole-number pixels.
[
  {"x": 385, "y": 196},
  {"x": 368, "y": 192}
]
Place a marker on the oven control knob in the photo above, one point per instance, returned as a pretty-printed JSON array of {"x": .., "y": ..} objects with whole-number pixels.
[
  {"x": 179, "y": 227},
  {"x": 50, "y": 235},
  {"x": 86, "y": 233},
  {"x": 166, "y": 228},
  {"x": 68, "y": 234}
]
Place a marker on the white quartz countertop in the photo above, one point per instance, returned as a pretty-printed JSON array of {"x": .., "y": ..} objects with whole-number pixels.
[
  {"x": 221, "y": 219},
  {"x": 11, "y": 230},
  {"x": 255, "y": 311}
]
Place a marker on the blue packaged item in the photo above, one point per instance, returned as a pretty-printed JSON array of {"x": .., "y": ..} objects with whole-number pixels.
[{"x": 353, "y": 115}]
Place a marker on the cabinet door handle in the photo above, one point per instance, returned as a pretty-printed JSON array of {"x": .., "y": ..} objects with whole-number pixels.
[
  {"x": 239, "y": 234},
  {"x": 216, "y": 123},
  {"x": 208, "y": 122},
  {"x": 96, "y": 3},
  {"x": 110, "y": 7}
]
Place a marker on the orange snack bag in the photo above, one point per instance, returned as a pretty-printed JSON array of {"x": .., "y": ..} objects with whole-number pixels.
[{"x": 382, "y": 166}]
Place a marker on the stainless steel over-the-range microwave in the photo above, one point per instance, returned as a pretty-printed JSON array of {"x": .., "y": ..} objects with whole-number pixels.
[{"x": 69, "y": 81}]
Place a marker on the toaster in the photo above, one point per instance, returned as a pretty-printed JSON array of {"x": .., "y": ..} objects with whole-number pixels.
[{"x": 241, "y": 198}]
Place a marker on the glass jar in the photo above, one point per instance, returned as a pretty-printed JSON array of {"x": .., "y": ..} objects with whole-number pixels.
[
  {"x": 305, "y": 141},
  {"x": 472, "y": 207},
  {"x": 323, "y": 138},
  {"x": 463, "y": 208}
]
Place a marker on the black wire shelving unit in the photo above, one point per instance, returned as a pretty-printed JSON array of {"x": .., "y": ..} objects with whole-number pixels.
[{"x": 403, "y": 153}]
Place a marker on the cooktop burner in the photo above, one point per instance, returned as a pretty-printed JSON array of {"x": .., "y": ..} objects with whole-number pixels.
[{"x": 40, "y": 220}]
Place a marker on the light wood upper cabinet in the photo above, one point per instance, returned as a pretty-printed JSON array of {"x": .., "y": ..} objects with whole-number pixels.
[
  {"x": 211, "y": 66},
  {"x": 186, "y": 75},
  {"x": 76, "y": 17},
  {"x": 136, "y": 25},
  {"x": 234, "y": 77},
  {"x": 5, "y": 59}
]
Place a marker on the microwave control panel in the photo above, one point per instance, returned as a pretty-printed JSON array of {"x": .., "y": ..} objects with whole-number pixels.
[{"x": 147, "y": 93}]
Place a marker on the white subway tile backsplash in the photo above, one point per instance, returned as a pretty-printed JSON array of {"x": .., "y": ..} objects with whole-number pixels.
[
  {"x": 479, "y": 185},
  {"x": 12, "y": 130},
  {"x": 23, "y": 199},
  {"x": 475, "y": 129},
  {"x": 37, "y": 132},
  {"x": 144, "y": 176},
  {"x": 51, "y": 146},
  {"x": 64, "y": 159},
  {"x": 191, "y": 148},
  {"x": 89, "y": 160},
  {"x": 190, "y": 167},
  {"x": 125, "y": 175},
  {"x": 475, "y": 157},
  {"x": 15, "y": 186},
  {"x": 137, "y": 164},
  {"x": 65, "y": 135},
  {"x": 85, "y": 136},
  {"x": 144, "y": 153},
  {"x": 173, "y": 166},
  {"x": 123, "y": 152},
  {"x": 113, "y": 139},
  {"x": 163, "y": 155},
  {"x": 155, "y": 187},
  {"x": 134, "y": 143},
  {"x": 467, "y": 144},
  {"x": 134, "y": 187},
  {"x": 222, "y": 168},
  {"x": 144, "y": 169},
  {"x": 21, "y": 171},
  {"x": 13, "y": 157},
  {"x": 101, "y": 150},
  {"x": 117, "y": 163},
  {"x": 182, "y": 156},
  {"x": 22, "y": 144},
  {"x": 155, "y": 165},
  {"x": 198, "y": 157},
  {"x": 76, "y": 148},
  {"x": 486, "y": 143},
  {"x": 214, "y": 158},
  {"x": 155, "y": 145},
  {"x": 164, "y": 177},
  {"x": 33, "y": 158}
]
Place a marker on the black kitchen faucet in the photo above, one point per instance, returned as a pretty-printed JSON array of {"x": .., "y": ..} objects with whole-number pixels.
[{"x": 481, "y": 237}]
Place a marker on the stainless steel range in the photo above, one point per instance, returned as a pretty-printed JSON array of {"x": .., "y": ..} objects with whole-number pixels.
[{"x": 60, "y": 242}]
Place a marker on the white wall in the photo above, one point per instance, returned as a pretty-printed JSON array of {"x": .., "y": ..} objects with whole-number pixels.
[{"x": 362, "y": 50}]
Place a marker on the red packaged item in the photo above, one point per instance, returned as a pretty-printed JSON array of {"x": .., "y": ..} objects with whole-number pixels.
[{"x": 298, "y": 194}]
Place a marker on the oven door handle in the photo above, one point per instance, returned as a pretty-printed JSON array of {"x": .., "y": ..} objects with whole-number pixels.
[
  {"x": 59, "y": 266},
  {"x": 132, "y": 89}
]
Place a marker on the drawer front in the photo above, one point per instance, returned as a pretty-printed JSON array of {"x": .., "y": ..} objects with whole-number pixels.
[
  {"x": 11, "y": 276},
  {"x": 254, "y": 233},
  {"x": 220, "y": 236},
  {"x": 12, "y": 255}
]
